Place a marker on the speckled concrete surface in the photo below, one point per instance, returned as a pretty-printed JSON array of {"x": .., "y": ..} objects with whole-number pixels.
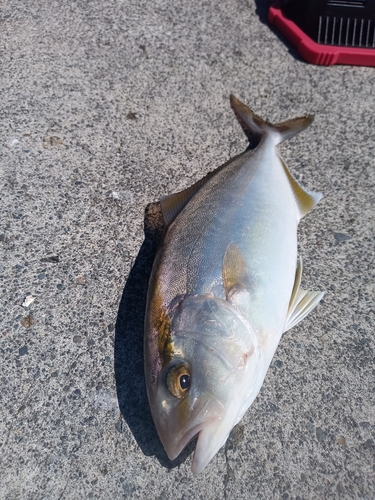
[{"x": 106, "y": 106}]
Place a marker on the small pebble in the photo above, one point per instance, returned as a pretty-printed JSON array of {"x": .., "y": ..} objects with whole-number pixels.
[
  {"x": 52, "y": 140},
  {"x": 369, "y": 443},
  {"x": 122, "y": 195},
  {"x": 320, "y": 434},
  {"x": 28, "y": 301},
  {"x": 53, "y": 259},
  {"x": 341, "y": 237},
  {"x": 27, "y": 321},
  {"x": 13, "y": 142}
]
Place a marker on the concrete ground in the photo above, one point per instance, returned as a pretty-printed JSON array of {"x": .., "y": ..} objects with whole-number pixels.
[{"x": 105, "y": 106}]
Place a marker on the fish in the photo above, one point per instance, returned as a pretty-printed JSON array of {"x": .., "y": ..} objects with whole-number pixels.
[{"x": 224, "y": 287}]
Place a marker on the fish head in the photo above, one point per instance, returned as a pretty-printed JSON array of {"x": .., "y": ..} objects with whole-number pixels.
[{"x": 205, "y": 377}]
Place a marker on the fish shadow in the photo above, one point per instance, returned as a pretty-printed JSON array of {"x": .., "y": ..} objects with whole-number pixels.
[
  {"x": 262, "y": 8},
  {"x": 128, "y": 349}
]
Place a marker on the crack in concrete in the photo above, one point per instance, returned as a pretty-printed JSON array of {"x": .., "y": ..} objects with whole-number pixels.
[{"x": 63, "y": 491}]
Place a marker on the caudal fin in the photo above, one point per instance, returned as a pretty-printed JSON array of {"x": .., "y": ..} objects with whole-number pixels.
[{"x": 255, "y": 127}]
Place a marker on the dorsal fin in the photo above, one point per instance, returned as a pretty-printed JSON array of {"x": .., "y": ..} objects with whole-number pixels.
[
  {"x": 306, "y": 200},
  {"x": 172, "y": 204},
  {"x": 301, "y": 302},
  {"x": 255, "y": 127}
]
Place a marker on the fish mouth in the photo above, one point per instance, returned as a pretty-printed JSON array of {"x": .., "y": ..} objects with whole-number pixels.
[
  {"x": 176, "y": 448},
  {"x": 205, "y": 414},
  {"x": 212, "y": 434},
  {"x": 207, "y": 446},
  {"x": 211, "y": 438}
]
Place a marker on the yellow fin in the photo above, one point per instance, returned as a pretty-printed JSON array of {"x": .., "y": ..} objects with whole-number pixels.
[
  {"x": 306, "y": 200},
  {"x": 297, "y": 283},
  {"x": 301, "y": 302},
  {"x": 235, "y": 273},
  {"x": 305, "y": 302}
]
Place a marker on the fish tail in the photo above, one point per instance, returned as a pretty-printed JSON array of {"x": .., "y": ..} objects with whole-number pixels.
[{"x": 256, "y": 128}]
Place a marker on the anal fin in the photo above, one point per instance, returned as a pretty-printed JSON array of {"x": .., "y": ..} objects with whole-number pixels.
[{"x": 301, "y": 302}]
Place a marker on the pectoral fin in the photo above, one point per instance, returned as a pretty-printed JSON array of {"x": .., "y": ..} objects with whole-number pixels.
[
  {"x": 236, "y": 279},
  {"x": 235, "y": 274},
  {"x": 301, "y": 302}
]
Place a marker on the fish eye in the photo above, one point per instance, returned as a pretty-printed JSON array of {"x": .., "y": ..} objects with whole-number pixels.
[
  {"x": 179, "y": 380},
  {"x": 184, "y": 381}
]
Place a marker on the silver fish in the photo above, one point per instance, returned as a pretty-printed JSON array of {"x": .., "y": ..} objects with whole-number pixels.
[{"x": 225, "y": 286}]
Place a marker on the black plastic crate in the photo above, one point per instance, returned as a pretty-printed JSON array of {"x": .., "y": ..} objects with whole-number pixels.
[{"x": 347, "y": 23}]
